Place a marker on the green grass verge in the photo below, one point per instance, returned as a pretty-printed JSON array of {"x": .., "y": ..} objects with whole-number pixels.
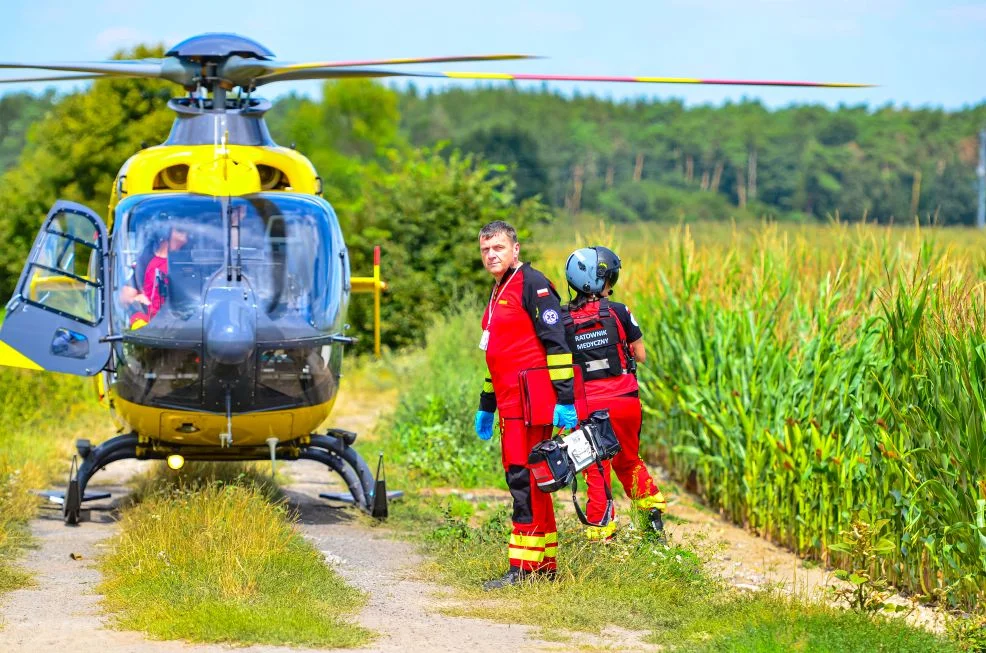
[
  {"x": 430, "y": 441},
  {"x": 216, "y": 562},
  {"x": 636, "y": 584},
  {"x": 42, "y": 415}
]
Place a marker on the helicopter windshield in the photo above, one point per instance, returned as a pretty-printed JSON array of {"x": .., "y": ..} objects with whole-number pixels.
[{"x": 171, "y": 248}]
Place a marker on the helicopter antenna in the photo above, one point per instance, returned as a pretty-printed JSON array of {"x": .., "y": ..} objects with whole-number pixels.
[{"x": 224, "y": 153}]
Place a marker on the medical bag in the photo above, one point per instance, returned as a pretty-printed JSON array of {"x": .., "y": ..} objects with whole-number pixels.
[{"x": 557, "y": 461}]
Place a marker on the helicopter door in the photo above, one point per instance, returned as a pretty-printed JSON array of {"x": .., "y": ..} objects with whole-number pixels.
[{"x": 57, "y": 319}]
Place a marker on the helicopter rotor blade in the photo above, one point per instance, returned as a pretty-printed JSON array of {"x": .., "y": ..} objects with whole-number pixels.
[
  {"x": 333, "y": 73},
  {"x": 636, "y": 80},
  {"x": 327, "y": 73},
  {"x": 323, "y": 70},
  {"x": 171, "y": 69},
  {"x": 145, "y": 68},
  {"x": 395, "y": 62},
  {"x": 55, "y": 78}
]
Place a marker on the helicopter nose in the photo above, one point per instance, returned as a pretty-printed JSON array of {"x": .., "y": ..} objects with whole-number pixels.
[{"x": 230, "y": 326}]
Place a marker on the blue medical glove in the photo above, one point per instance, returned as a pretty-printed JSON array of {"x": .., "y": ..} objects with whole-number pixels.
[
  {"x": 484, "y": 424},
  {"x": 565, "y": 416}
]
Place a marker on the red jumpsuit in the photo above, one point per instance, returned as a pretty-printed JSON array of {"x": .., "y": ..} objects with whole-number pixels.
[
  {"x": 155, "y": 275},
  {"x": 524, "y": 323},
  {"x": 599, "y": 344}
]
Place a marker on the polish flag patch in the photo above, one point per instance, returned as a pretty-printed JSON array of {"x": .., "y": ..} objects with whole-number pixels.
[{"x": 542, "y": 292}]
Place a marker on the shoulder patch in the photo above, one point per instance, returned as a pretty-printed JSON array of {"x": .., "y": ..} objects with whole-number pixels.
[
  {"x": 550, "y": 316},
  {"x": 542, "y": 292}
]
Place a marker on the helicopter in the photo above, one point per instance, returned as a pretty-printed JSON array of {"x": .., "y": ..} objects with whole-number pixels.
[{"x": 210, "y": 306}]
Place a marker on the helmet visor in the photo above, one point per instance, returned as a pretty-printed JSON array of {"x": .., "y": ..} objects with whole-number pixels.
[{"x": 613, "y": 276}]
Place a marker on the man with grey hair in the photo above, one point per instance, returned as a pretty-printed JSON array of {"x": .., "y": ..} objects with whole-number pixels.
[{"x": 522, "y": 329}]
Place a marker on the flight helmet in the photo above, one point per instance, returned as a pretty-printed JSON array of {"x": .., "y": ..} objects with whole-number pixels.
[{"x": 589, "y": 268}]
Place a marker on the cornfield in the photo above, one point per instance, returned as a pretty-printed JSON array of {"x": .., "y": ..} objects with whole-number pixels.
[{"x": 796, "y": 378}]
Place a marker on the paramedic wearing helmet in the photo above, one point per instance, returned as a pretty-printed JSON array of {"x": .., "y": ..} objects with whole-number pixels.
[
  {"x": 607, "y": 343},
  {"x": 522, "y": 330}
]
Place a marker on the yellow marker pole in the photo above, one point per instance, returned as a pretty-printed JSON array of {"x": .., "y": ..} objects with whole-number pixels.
[
  {"x": 375, "y": 285},
  {"x": 376, "y": 301}
]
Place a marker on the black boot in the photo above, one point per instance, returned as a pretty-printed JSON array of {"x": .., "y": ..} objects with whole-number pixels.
[
  {"x": 516, "y": 575},
  {"x": 656, "y": 523},
  {"x": 513, "y": 576}
]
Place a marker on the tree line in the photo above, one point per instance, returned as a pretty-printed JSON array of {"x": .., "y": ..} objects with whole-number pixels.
[{"x": 662, "y": 160}]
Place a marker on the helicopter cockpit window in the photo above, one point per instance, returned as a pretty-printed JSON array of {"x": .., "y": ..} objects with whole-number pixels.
[
  {"x": 172, "y": 252},
  {"x": 285, "y": 248},
  {"x": 169, "y": 247},
  {"x": 65, "y": 277}
]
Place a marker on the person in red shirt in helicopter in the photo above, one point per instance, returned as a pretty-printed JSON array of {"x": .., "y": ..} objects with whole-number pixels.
[
  {"x": 152, "y": 272},
  {"x": 607, "y": 343}
]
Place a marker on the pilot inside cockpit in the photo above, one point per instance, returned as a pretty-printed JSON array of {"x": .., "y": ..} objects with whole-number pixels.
[{"x": 147, "y": 289}]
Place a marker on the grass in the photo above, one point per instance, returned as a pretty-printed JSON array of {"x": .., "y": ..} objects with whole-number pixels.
[
  {"x": 216, "y": 558},
  {"x": 633, "y": 583},
  {"x": 42, "y": 415},
  {"x": 196, "y": 475}
]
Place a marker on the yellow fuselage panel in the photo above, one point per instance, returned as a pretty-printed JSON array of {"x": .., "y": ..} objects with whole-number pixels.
[
  {"x": 10, "y": 357},
  {"x": 185, "y": 427},
  {"x": 213, "y": 170}
]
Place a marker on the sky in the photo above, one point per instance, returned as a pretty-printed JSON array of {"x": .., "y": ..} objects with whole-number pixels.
[{"x": 920, "y": 52}]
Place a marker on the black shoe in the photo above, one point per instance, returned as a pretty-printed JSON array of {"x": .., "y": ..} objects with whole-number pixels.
[
  {"x": 656, "y": 523},
  {"x": 514, "y": 576}
]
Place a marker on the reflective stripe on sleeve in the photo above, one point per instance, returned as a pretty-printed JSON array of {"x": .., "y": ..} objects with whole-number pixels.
[
  {"x": 559, "y": 359},
  {"x": 560, "y": 374}
]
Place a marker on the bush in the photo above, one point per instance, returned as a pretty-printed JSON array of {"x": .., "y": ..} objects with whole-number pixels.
[
  {"x": 432, "y": 436},
  {"x": 427, "y": 214}
]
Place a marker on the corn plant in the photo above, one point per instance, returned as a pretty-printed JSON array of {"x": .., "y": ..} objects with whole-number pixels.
[{"x": 795, "y": 379}]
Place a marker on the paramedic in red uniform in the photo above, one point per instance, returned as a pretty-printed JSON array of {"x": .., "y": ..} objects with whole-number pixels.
[
  {"x": 607, "y": 343},
  {"x": 522, "y": 329}
]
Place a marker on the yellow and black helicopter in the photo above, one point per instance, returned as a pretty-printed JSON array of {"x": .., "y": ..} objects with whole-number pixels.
[{"x": 211, "y": 304}]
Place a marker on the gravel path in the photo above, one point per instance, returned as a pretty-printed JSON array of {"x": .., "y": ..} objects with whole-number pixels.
[{"x": 403, "y": 609}]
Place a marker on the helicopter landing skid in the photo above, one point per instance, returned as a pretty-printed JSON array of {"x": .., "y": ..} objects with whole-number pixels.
[{"x": 333, "y": 449}]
